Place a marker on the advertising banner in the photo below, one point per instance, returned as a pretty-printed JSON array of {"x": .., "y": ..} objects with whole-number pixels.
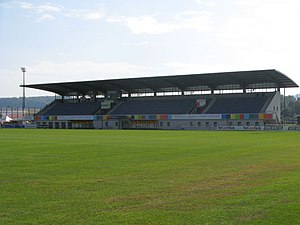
[{"x": 79, "y": 117}]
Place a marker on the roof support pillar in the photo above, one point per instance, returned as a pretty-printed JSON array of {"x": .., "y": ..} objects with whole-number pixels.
[{"x": 94, "y": 97}]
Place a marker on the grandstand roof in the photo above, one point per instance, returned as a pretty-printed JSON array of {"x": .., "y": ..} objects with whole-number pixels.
[{"x": 256, "y": 79}]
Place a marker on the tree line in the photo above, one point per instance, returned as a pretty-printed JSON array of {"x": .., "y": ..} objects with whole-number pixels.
[
  {"x": 290, "y": 106},
  {"x": 30, "y": 102}
]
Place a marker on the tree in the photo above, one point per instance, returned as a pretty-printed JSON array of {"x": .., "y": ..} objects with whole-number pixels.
[
  {"x": 288, "y": 106},
  {"x": 297, "y": 106}
]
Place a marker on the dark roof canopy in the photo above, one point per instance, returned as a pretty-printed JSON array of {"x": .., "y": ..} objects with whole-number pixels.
[{"x": 258, "y": 79}]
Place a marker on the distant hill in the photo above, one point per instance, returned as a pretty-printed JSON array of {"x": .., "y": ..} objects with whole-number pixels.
[{"x": 31, "y": 102}]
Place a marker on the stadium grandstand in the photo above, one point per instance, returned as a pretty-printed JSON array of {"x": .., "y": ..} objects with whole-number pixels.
[{"x": 240, "y": 100}]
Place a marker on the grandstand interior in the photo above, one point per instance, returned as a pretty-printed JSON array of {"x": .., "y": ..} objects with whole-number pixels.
[{"x": 245, "y": 99}]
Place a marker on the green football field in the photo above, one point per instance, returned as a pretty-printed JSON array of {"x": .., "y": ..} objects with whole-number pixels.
[{"x": 149, "y": 177}]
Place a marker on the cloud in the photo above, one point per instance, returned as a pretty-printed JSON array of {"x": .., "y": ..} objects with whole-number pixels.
[
  {"x": 49, "y": 11},
  {"x": 208, "y": 3},
  {"x": 258, "y": 35},
  {"x": 257, "y": 27},
  {"x": 198, "y": 21},
  {"x": 93, "y": 16},
  {"x": 137, "y": 44},
  {"x": 45, "y": 17},
  {"x": 148, "y": 24},
  {"x": 5, "y": 5},
  {"x": 25, "y": 5},
  {"x": 64, "y": 54},
  {"x": 48, "y": 8},
  {"x": 143, "y": 24},
  {"x": 200, "y": 2},
  {"x": 85, "y": 14},
  {"x": 192, "y": 20},
  {"x": 44, "y": 8},
  {"x": 78, "y": 70}
]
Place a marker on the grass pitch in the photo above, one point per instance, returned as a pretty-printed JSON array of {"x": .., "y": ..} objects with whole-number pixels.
[{"x": 149, "y": 177}]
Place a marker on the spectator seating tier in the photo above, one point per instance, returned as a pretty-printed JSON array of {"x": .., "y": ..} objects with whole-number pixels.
[
  {"x": 83, "y": 108},
  {"x": 159, "y": 105},
  {"x": 247, "y": 103}
]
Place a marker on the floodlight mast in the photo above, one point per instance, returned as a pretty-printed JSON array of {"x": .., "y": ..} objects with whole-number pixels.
[{"x": 23, "y": 69}]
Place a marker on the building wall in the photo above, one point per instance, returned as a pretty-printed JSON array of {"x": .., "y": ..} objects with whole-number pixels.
[
  {"x": 65, "y": 124},
  {"x": 275, "y": 106},
  {"x": 98, "y": 124},
  {"x": 143, "y": 124},
  {"x": 197, "y": 124}
]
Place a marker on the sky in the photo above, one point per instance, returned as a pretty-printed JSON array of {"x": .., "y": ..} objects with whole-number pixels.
[{"x": 72, "y": 40}]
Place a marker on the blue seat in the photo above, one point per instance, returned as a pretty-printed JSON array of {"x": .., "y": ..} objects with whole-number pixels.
[
  {"x": 154, "y": 106},
  {"x": 83, "y": 108},
  {"x": 241, "y": 104}
]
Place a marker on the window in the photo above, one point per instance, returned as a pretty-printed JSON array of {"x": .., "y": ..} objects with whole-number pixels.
[
  {"x": 117, "y": 124},
  {"x": 215, "y": 124},
  {"x": 230, "y": 123},
  {"x": 168, "y": 124},
  {"x": 191, "y": 124},
  {"x": 239, "y": 123},
  {"x": 63, "y": 125},
  {"x": 207, "y": 124},
  {"x": 256, "y": 123},
  {"x": 199, "y": 124},
  {"x": 161, "y": 123},
  {"x": 248, "y": 123}
]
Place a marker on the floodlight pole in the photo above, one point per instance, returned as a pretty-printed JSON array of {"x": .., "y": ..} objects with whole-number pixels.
[{"x": 23, "y": 69}]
